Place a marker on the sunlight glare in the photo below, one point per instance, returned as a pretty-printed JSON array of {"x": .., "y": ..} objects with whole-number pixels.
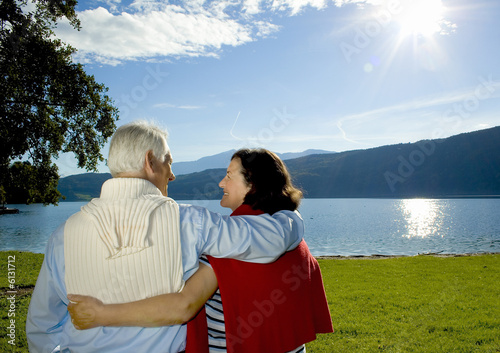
[
  {"x": 422, "y": 217},
  {"x": 423, "y": 17}
]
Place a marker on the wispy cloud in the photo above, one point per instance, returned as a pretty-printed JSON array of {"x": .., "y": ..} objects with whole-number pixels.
[
  {"x": 296, "y": 6},
  {"x": 449, "y": 110},
  {"x": 113, "y": 33},
  {"x": 169, "y": 32},
  {"x": 422, "y": 16},
  {"x": 156, "y": 29},
  {"x": 173, "y": 106},
  {"x": 444, "y": 101}
]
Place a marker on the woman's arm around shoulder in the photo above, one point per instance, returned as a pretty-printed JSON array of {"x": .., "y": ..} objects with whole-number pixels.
[{"x": 163, "y": 310}]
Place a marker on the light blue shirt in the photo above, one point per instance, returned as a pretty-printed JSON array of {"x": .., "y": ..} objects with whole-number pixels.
[{"x": 259, "y": 239}]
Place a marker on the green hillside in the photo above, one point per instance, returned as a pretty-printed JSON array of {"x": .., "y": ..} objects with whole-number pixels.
[
  {"x": 462, "y": 165},
  {"x": 465, "y": 165},
  {"x": 82, "y": 187}
]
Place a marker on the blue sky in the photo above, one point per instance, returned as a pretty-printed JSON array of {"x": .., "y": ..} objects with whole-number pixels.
[{"x": 291, "y": 75}]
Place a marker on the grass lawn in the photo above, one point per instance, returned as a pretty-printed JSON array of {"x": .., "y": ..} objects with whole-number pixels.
[
  {"x": 27, "y": 265},
  {"x": 406, "y": 304},
  {"x": 412, "y": 304}
]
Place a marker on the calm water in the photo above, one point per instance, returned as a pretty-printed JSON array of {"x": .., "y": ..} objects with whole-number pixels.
[{"x": 333, "y": 226}]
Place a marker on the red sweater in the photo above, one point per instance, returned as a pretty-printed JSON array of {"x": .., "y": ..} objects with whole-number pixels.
[{"x": 272, "y": 307}]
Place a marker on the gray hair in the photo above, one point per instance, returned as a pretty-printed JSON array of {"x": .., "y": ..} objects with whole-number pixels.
[{"x": 131, "y": 142}]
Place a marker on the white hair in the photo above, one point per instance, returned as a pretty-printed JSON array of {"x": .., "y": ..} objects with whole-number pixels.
[{"x": 131, "y": 142}]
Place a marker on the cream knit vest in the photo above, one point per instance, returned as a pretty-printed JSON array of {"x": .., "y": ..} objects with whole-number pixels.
[{"x": 125, "y": 245}]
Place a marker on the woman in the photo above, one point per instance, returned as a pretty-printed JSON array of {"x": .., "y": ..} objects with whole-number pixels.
[{"x": 275, "y": 307}]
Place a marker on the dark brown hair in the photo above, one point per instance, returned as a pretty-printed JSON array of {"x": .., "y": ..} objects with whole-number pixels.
[{"x": 271, "y": 185}]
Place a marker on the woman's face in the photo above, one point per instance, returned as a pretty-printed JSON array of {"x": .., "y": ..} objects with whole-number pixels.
[{"x": 234, "y": 185}]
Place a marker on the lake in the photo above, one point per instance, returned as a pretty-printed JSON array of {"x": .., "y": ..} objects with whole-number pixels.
[{"x": 346, "y": 227}]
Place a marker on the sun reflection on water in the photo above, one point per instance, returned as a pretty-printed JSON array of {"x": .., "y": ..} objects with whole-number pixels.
[{"x": 422, "y": 217}]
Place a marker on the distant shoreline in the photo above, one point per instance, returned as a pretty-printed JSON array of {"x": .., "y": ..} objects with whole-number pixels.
[
  {"x": 425, "y": 197},
  {"x": 378, "y": 257}
]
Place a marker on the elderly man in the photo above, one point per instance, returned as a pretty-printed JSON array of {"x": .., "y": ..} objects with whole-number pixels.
[{"x": 134, "y": 242}]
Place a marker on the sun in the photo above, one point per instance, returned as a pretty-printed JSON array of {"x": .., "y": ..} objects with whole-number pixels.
[{"x": 420, "y": 17}]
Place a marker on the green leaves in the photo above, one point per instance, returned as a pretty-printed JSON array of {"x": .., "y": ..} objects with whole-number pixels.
[
  {"x": 25, "y": 183},
  {"x": 48, "y": 104}
]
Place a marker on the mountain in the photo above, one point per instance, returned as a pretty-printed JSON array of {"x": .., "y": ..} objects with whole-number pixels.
[
  {"x": 462, "y": 165},
  {"x": 221, "y": 160},
  {"x": 293, "y": 155},
  {"x": 465, "y": 165},
  {"x": 82, "y": 187}
]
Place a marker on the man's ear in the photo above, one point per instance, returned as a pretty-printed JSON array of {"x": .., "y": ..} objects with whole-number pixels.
[{"x": 148, "y": 162}]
